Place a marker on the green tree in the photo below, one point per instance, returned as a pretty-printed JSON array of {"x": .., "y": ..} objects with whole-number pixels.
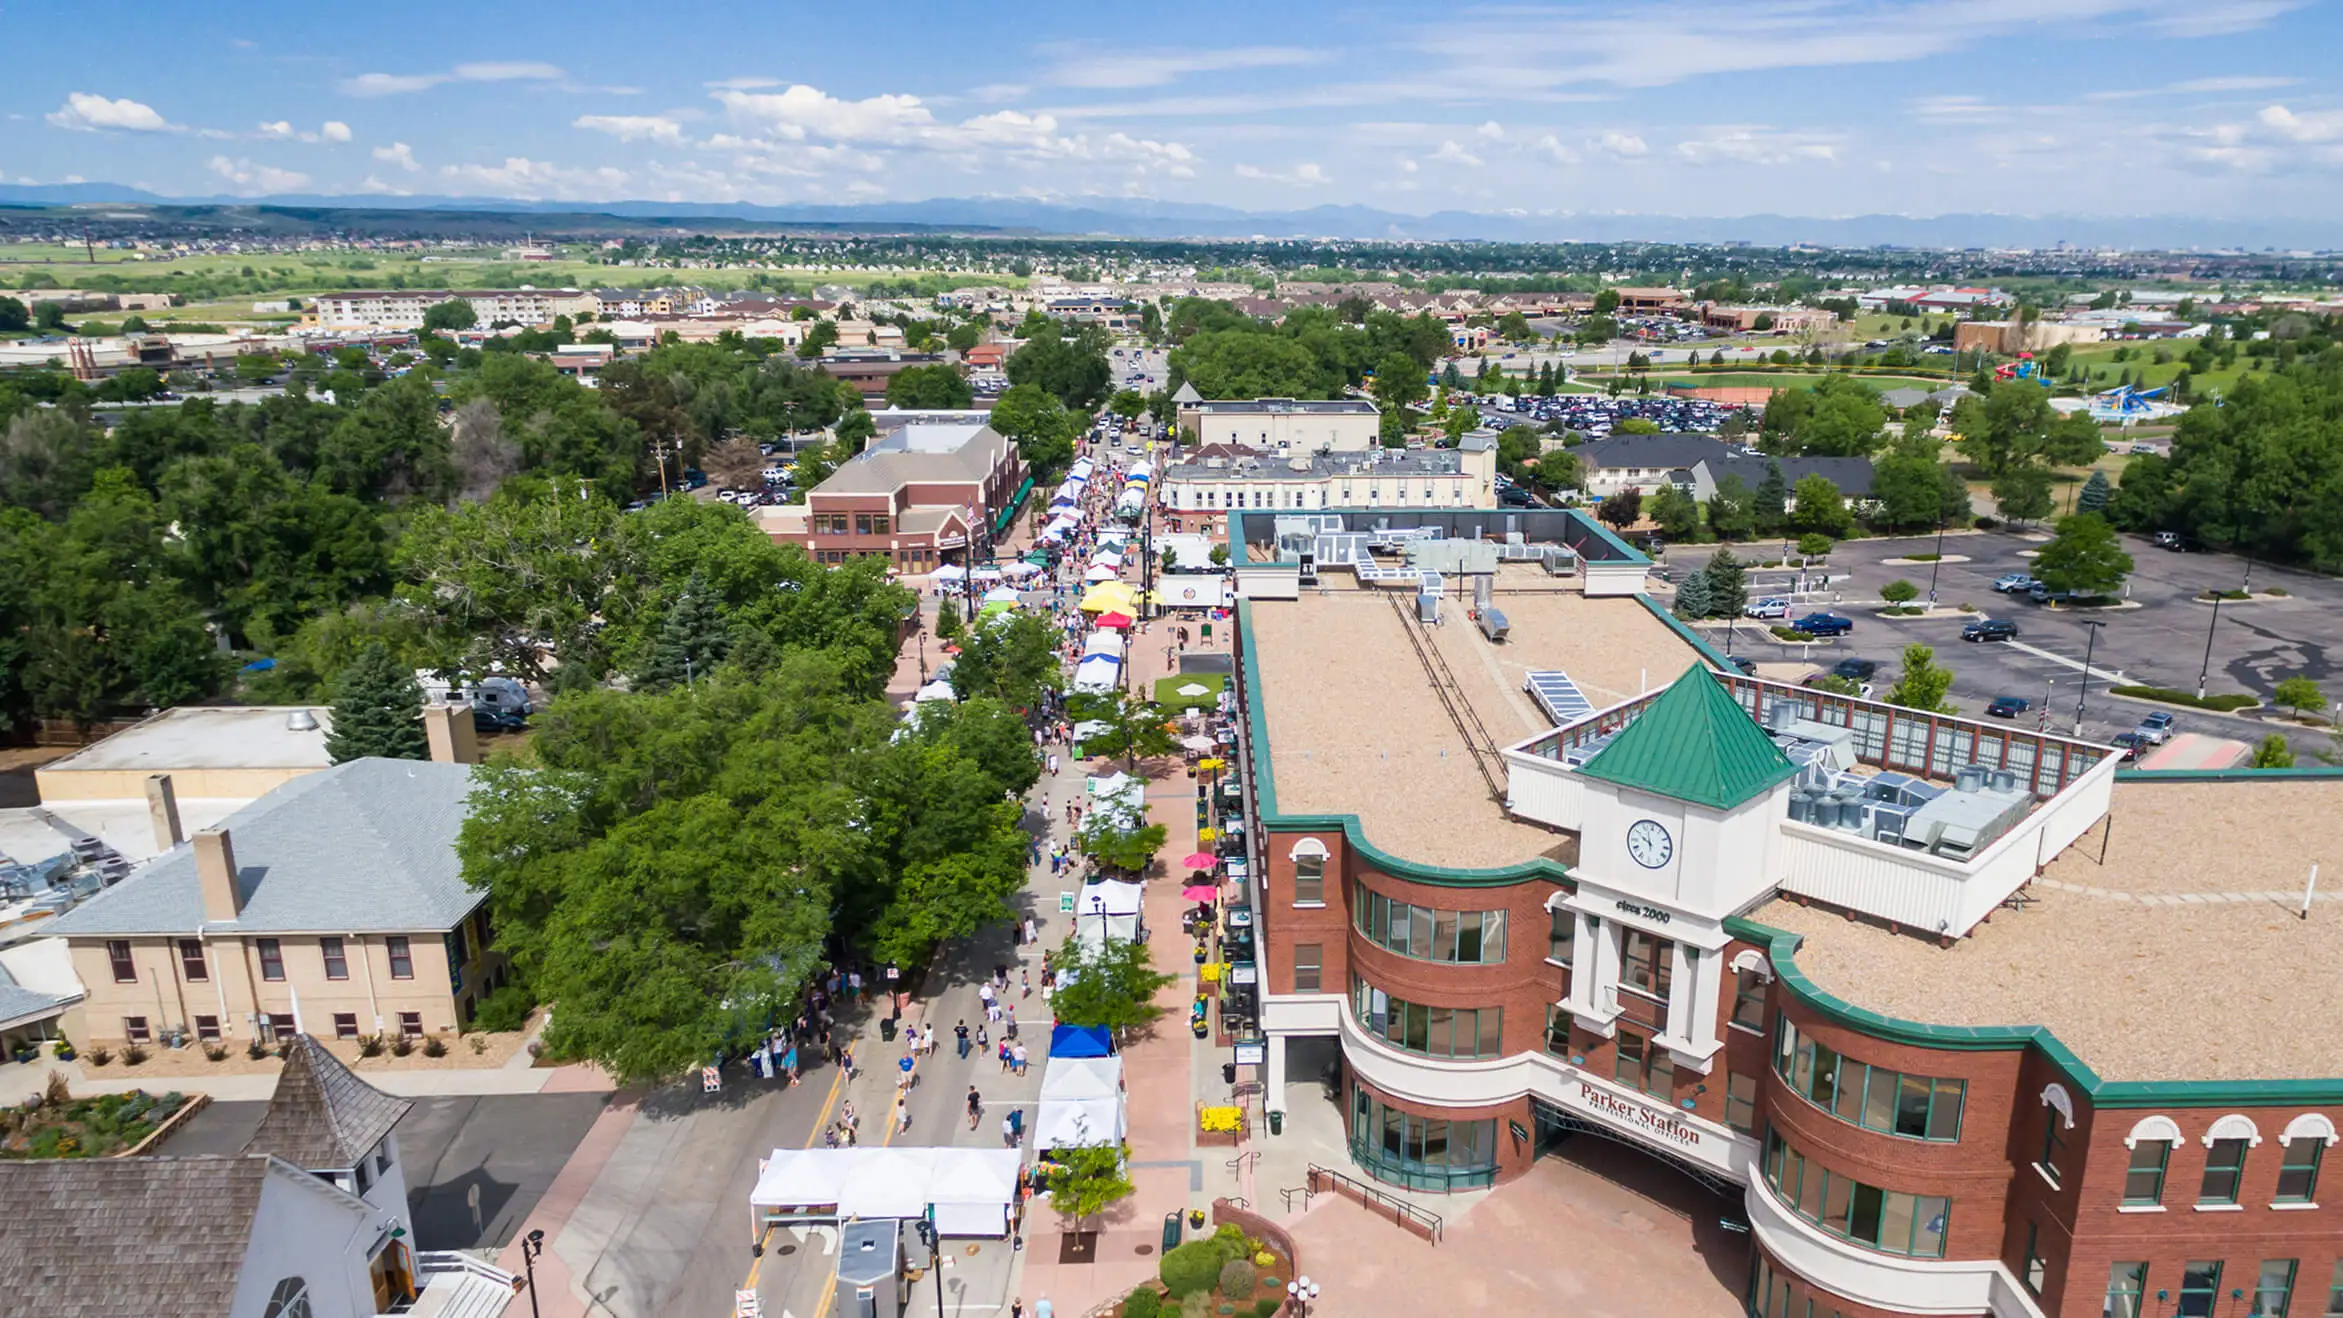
[
  {"x": 1090, "y": 1179},
  {"x": 963, "y": 337},
  {"x": 1899, "y": 591},
  {"x": 1728, "y": 588},
  {"x": 691, "y": 641},
  {"x": 453, "y": 314},
  {"x": 2084, "y": 557},
  {"x": 1770, "y": 504},
  {"x": 1075, "y": 370},
  {"x": 1399, "y": 384},
  {"x": 1731, "y": 511},
  {"x": 1127, "y": 404},
  {"x": 939, "y": 386},
  {"x": 1819, "y": 508},
  {"x": 1514, "y": 328},
  {"x": 2272, "y": 753},
  {"x": 1692, "y": 599},
  {"x": 2022, "y": 494},
  {"x": 947, "y": 619},
  {"x": 818, "y": 336},
  {"x": 1118, "y": 847},
  {"x": 1621, "y": 510},
  {"x": 2302, "y": 695},
  {"x": 1133, "y": 728},
  {"x": 1110, "y": 985},
  {"x": 1922, "y": 684},
  {"x": 1039, "y": 425},
  {"x": 2095, "y": 494},
  {"x": 377, "y": 711},
  {"x": 1674, "y": 512},
  {"x": 13, "y": 317},
  {"x": 1606, "y": 302},
  {"x": 1009, "y": 657}
]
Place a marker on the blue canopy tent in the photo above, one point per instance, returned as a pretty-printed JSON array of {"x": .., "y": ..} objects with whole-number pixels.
[{"x": 1080, "y": 1041}]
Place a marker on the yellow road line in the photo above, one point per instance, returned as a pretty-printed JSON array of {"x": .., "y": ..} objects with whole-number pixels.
[{"x": 821, "y": 1119}]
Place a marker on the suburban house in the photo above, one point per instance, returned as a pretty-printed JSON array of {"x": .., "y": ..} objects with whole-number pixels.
[
  {"x": 1696, "y": 463},
  {"x": 920, "y": 494},
  {"x": 309, "y": 1218},
  {"x": 334, "y": 903}
]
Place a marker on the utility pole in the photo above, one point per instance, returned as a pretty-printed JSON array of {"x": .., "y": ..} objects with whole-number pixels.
[
  {"x": 2085, "y": 689},
  {"x": 1932, "y": 567}
]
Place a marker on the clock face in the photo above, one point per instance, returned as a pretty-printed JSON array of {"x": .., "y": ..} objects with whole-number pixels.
[{"x": 1649, "y": 844}]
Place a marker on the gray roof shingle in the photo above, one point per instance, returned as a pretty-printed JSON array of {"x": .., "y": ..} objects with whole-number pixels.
[
  {"x": 102, "y": 1237},
  {"x": 18, "y": 1003},
  {"x": 323, "y": 1118},
  {"x": 363, "y": 847},
  {"x": 1668, "y": 451}
]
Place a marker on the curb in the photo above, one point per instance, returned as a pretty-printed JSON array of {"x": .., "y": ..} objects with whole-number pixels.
[{"x": 2236, "y": 715}]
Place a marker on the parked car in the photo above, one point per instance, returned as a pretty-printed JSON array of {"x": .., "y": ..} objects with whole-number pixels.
[
  {"x": 2041, "y": 594},
  {"x": 1772, "y": 606},
  {"x": 1824, "y": 624},
  {"x": 2143, "y": 448},
  {"x": 2128, "y": 745},
  {"x": 1746, "y": 665},
  {"x": 2008, "y": 707},
  {"x": 2014, "y": 583},
  {"x": 2171, "y": 540},
  {"x": 1990, "y": 629},
  {"x": 2156, "y": 728},
  {"x": 489, "y": 722},
  {"x": 1855, "y": 670}
]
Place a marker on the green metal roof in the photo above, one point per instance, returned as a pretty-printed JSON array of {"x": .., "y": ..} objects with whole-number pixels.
[{"x": 1694, "y": 743}]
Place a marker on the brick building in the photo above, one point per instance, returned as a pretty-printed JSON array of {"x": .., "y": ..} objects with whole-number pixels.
[
  {"x": 1956, "y": 1021},
  {"x": 923, "y": 494}
]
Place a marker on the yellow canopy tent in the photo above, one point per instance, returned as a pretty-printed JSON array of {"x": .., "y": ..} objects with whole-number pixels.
[{"x": 1110, "y": 597}]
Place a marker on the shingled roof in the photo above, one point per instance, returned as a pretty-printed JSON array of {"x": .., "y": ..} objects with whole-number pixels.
[
  {"x": 323, "y": 1118},
  {"x": 103, "y": 1237}
]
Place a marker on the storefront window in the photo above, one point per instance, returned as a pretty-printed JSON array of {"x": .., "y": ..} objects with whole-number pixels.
[
  {"x": 1875, "y": 1098},
  {"x": 1421, "y": 1153},
  {"x": 1458, "y": 1032}
]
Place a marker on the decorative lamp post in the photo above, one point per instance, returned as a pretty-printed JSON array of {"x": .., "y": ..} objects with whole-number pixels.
[
  {"x": 531, "y": 1246},
  {"x": 1303, "y": 1292}
]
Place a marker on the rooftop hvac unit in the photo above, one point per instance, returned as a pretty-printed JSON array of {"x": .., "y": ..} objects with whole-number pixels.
[
  {"x": 1969, "y": 778},
  {"x": 300, "y": 720},
  {"x": 2005, "y": 780},
  {"x": 1428, "y": 607},
  {"x": 1801, "y": 808},
  {"x": 1887, "y": 822},
  {"x": 87, "y": 847},
  {"x": 1493, "y": 624}
]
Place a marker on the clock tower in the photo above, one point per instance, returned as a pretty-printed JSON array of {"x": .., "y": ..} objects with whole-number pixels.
[{"x": 1678, "y": 830}]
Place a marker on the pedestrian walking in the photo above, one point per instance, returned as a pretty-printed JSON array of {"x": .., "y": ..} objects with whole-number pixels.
[
  {"x": 830, "y": 1136},
  {"x": 1053, "y": 763},
  {"x": 981, "y": 1041},
  {"x": 960, "y": 1034},
  {"x": 1025, "y": 980},
  {"x": 992, "y": 1004},
  {"x": 1018, "y": 1056},
  {"x": 846, "y": 1052},
  {"x": 853, "y": 985},
  {"x": 902, "y": 1114},
  {"x": 1008, "y": 1130},
  {"x": 1001, "y": 976},
  {"x": 903, "y": 1070},
  {"x": 1009, "y": 1030},
  {"x": 1004, "y": 1051},
  {"x": 1032, "y": 929},
  {"x": 1017, "y": 1307},
  {"x": 975, "y": 1106}
]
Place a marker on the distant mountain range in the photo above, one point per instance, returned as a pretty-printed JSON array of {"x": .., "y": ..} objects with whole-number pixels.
[{"x": 1146, "y": 218}]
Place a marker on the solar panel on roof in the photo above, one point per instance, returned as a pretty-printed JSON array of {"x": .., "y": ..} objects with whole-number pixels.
[{"x": 1558, "y": 696}]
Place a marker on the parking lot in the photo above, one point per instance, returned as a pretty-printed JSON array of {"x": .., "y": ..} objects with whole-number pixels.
[
  {"x": 2156, "y": 638},
  {"x": 475, "y": 1165}
]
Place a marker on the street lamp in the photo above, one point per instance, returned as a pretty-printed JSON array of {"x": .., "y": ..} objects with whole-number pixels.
[
  {"x": 1932, "y": 567},
  {"x": 935, "y": 1257},
  {"x": 2205, "y": 670},
  {"x": 1303, "y": 1292},
  {"x": 2085, "y": 688},
  {"x": 532, "y": 1245}
]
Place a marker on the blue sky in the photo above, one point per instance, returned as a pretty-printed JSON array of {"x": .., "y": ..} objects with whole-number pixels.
[{"x": 1813, "y": 107}]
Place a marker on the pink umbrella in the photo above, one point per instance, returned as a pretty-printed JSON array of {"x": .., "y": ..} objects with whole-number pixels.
[
  {"x": 1200, "y": 861},
  {"x": 1199, "y": 892}
]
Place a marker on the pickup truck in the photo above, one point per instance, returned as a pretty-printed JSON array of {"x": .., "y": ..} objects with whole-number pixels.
[{"x": 1824, "y": 624}]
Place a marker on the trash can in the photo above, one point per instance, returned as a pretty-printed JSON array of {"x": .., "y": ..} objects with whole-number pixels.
[
  {"x": 1228, "y": 1073},
  {"x": 1276, "y": 1122},
  {"x": 887, "y": 1028},
  {"x": 1171, "y": 1232}
]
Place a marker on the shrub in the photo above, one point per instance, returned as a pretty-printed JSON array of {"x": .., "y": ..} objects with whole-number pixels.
[
  {"x": 504, "y": 1010},
  {"x": 256, "y": 1050},
  {"x": 1267, "y": 1306},
  {"x": 402, "y": 1045},
  {"x": 435, "y": 1047},
  {"x": 64, "y": 1050},
  {"x": 1791, "y": 634},
  {"x": 132, "y": 1054},
  {"x": 1814, "y": 544},
  {"x": 1921, "y": 558},
  {"x": 1191, "y": 1268},
  {"x": 1264, "y": 1259},
  {"x": 370, "y": 1045},
  {"x": 479, "y": 1043},
  {"x": 215, "y": 1051},
  {"x": 1218, "y": 1119},
  {"x": 1987, "y": 523},
  {"x": 2166, "y": 695},
  {"x": 1237, "y": 1277},
  {"x": 1144, "y": 1302},
  {"x": 100, "y": 1056}
]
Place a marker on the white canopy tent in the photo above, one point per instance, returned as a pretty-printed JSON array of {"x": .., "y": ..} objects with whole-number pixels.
[
  {"x": 1103, "y": 642},
  {"x": 936, "y": 690},
  {"x": 948, "y": 572},
  {"x": 1002, "y": 594},
  {"x": 971, "y": 1191},
  {"x": 1097, "y": 675},
  {"x": 1062, "y": 1123},
  {"x": 1099, "y": 572},
  {"x": 1109, "y": 909}
]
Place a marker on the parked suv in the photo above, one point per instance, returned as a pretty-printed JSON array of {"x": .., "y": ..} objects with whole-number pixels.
[
  {"x": 2156, "y": 728},
  {"x": 1855, "y": 670},
  {"x": 1824, "y": 624},
  {"x": 1990, "y": 629},
  {"x": 2015, "y": 583},
  {"x": 1772, "y": 606}
]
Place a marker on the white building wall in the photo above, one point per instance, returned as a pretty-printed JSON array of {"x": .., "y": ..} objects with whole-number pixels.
[
  {"x": 307, "y": 1229},
  {"x": 1883, "y": 1281},
  {"x": 1303, "y": 431}
]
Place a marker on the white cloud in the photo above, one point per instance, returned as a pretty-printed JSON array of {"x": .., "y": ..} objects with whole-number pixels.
[
  {"x": 395, "y": 84},
  {"x": 380, "y": 188},
  {"x": 250, "y": 177},
  {"x": 532, "y": 180},
  {"x": 280, "y": 130},
  {"x": 1552, "y": 148},
  {"x": 999, "y": 91},
  {"x": 398, "y": 153},
  {"x": 803, "y": 129},
  {"x": 1740, "y": 145},
  {"x": 1306, "y": 175},
  {"x": 1452, "y": 154},
  {"x": 1955, "y": 109},
  {"x": 1087, "y": 66},
  {"x": 335, "y": 131},
  {"x": 85, "y": 112},
  {"x": 800, "y": 112},
  {"x": 1408, "y": 166},
  {"x": 1491, "y": 131},
  {"x": 2305, "y": 128},
  {"x": 632, "y": 127},
  {"x": 1612, "y": 142},
  {"x": 743, "y": 84}
]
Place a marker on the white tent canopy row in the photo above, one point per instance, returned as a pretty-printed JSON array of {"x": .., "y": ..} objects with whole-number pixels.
[
  {"x": 1097, "y": 675},
  {"x": 1103, "y": 642},
  {"x": 970, "y": 1191},
  {"x": 1081, "y": 1103}
]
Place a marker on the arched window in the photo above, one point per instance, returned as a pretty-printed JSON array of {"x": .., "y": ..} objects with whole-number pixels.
[
  {"x": 2309, "y": 1126},
  {"x": 2151, "y": 1142},
  {"x": 2235, "y": 1126},
  {"x": 2055, "y": 1097},
  {"x": 1309, "y": 857},
  {"x": 2055, "y": 1124},
  {"x": 2153, "y": 1129},
  {"x": 290, "y": 1299}
]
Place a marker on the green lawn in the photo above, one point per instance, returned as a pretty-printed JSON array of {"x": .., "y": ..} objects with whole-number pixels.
[{"x": 1167, "y": 690}]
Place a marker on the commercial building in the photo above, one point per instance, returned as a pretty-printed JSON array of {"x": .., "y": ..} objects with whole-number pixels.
[
  {"x": 1955, "y": 1017},
  {"x": 1224, "y": 476},
  {"x": 869, "y": 369},
  {"x": 919, "y": 496},
  {"x": 2010, "y": 337},
  {"x": 402, "y": 309},
  {"x": 1280, "y": 425},
  {"x": 334, "y": 903}
]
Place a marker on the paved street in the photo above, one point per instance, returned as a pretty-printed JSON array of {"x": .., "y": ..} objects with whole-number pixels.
[{"x": 2161, "y": 642}]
